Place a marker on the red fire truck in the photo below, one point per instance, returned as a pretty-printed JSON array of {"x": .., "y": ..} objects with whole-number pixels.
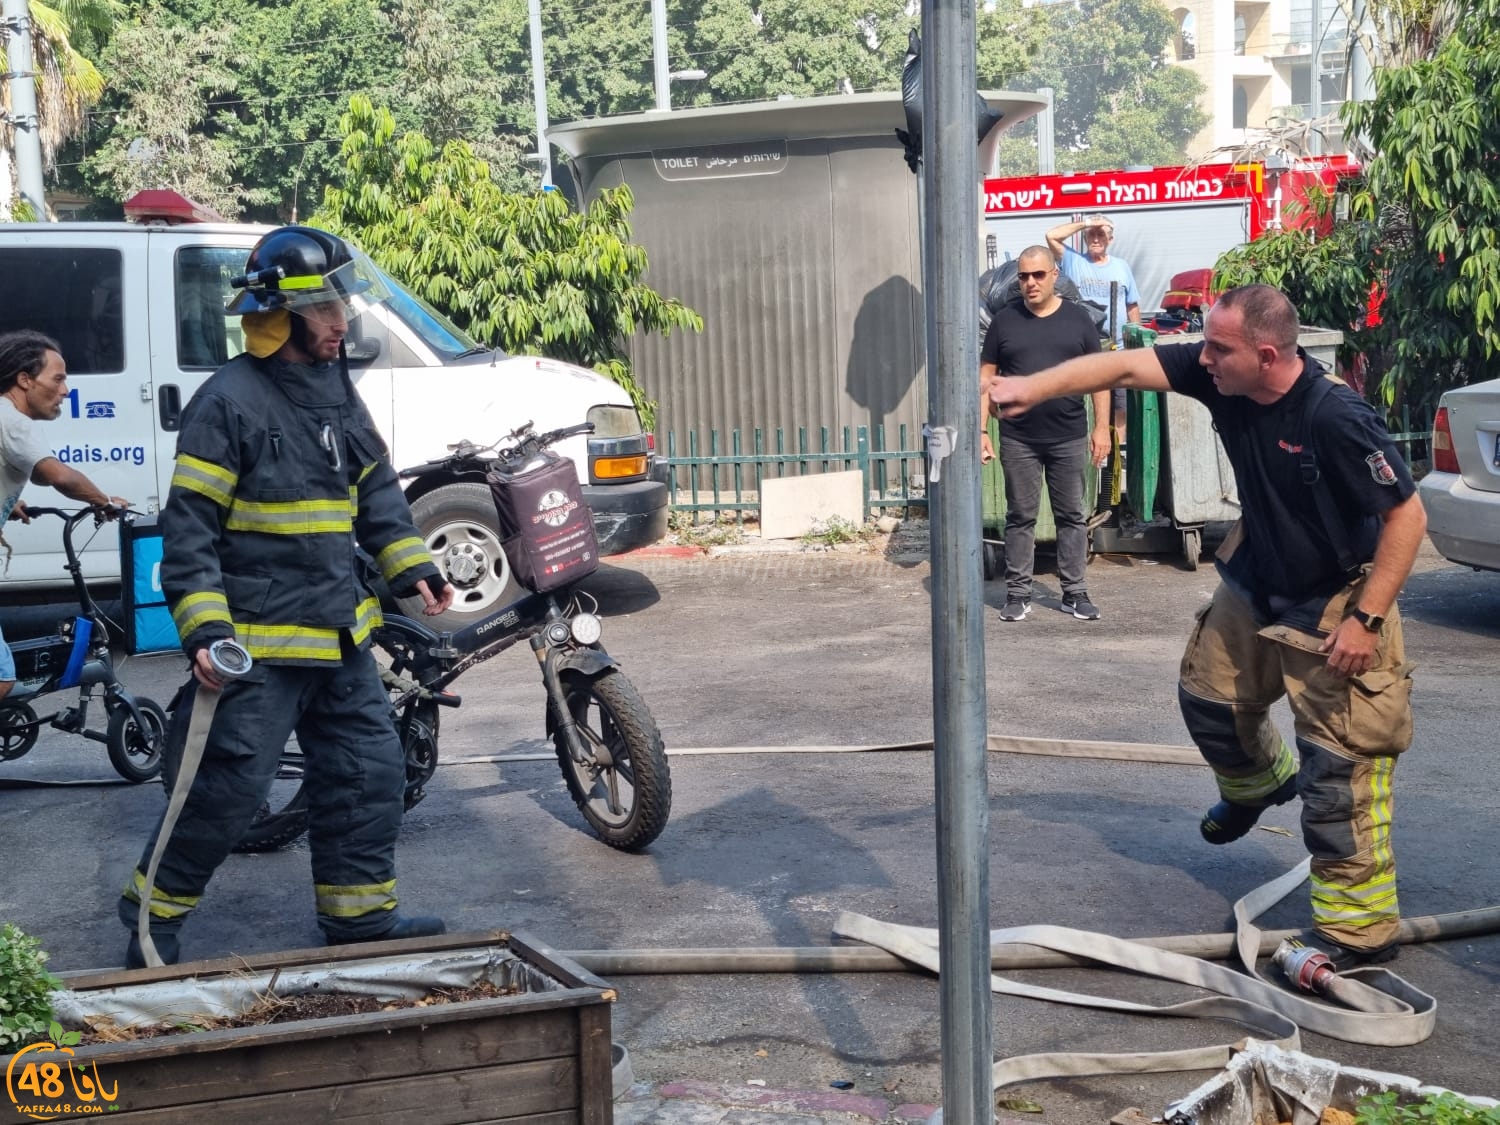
[{"x": 1171, "y": 224}]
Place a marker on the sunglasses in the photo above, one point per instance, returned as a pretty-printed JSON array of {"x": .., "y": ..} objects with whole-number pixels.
[{"x": 1033, "y": 275}]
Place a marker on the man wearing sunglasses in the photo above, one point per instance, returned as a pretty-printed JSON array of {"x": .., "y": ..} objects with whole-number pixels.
[{"x": 1053, "y": 441}]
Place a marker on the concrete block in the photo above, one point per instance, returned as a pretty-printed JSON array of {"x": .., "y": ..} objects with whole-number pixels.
[{"x": 791, "y": 506}]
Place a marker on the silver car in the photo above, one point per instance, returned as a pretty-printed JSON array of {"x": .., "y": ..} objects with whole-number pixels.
[{"x": 1462, "y": 492}]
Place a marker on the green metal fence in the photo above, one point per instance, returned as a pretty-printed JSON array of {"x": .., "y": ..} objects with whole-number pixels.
[
  {"x": 1412, "y": 441},
  {"x": 723, "y": 477},
  {"x": 727, "y": 480}
]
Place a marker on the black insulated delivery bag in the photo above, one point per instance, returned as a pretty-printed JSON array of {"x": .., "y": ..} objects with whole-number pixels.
[{"x": 546, "y": 527}]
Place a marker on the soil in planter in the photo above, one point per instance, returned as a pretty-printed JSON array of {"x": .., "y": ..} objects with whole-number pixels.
[{"x": 308, "y": 1006}]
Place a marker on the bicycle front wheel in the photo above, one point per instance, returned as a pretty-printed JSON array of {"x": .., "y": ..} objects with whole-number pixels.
[{"x": 135, "y": 748}]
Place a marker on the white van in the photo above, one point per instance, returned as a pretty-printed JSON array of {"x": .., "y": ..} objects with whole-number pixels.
[{"x": 138, "y": 308}]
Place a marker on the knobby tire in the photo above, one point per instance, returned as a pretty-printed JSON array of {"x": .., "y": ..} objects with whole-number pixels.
[{"x": 607, "y": 708}]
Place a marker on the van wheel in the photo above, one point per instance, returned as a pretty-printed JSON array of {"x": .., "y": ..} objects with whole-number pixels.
[{"x": 459, "y": 525}]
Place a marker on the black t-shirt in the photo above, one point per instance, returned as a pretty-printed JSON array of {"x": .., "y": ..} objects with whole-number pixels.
[
  {"x": 1287, "y": 562},
  {"x": 1021, "y": 343}
]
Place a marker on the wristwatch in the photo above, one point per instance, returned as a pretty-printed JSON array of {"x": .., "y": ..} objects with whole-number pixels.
[{"x": 1370, "y": 621}]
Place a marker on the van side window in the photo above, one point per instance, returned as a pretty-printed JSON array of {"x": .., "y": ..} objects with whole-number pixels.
[
  {"x": 71, "y": 294},
  {"x": 206, "y": 338}
]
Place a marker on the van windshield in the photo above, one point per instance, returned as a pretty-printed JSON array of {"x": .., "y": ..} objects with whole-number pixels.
[{"x": 445, "y": 338}]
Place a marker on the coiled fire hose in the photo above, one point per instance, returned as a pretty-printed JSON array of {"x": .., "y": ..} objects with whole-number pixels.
[
  {"x": 1370, "y": 1005},
  {"x": 232, "y": 661}
]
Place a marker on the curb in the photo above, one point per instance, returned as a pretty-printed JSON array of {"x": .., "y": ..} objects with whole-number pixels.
[{"x": 662, "y": 551}]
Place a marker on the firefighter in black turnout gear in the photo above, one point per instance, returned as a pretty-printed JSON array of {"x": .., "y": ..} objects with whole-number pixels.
[{"x": 279, "y": 475}]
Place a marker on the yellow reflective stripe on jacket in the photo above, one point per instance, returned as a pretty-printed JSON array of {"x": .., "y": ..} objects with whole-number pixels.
[
  {"x": 204, "y": 478},
  {"x": 289, "y": 642},
  {"x": 367, "y": 616},
  {"x": 162, "y": 905},
  {"x": 367, "y": 470},
  {"x": 197, "y": 610},
  {"x": 401, "y": 556},
  {"x": 354, "y": 901},
  {"x": 289, "y": 517}
]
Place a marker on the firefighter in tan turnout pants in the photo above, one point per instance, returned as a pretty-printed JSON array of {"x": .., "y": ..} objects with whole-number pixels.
[
  {"x": 1307, "y": 603},
  {"x": 280, "y": 474}
]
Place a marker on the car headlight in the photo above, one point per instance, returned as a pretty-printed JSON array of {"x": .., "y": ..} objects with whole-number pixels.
[{"x": 587, "y": 629}]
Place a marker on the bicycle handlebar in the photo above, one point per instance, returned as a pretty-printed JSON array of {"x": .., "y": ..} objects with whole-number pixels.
[
  {"x": 100, "y": 512},
  {"x": 526, "y": 444}
]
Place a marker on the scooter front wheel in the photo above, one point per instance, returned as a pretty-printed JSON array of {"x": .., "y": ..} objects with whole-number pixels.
[
  {"x": 624, "y": 790},
  {"x": 135, "y": 748}
]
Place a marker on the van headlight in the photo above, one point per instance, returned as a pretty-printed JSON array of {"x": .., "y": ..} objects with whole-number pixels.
[{"x": 587, "y": 629}]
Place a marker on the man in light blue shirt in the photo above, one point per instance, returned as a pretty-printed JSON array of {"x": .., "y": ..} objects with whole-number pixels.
[{"x": 1093, "y": 273}]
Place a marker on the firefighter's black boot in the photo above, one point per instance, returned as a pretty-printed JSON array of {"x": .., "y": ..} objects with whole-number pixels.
[
  {"x": 1229, "y": 820},
  {"x": 402, "y": 926},
  {"x": 167, "y": 949}
]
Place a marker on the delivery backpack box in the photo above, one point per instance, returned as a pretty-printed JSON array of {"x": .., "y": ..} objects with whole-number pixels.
[
  {"x": 148, "y": 620},
  {"x": 546, "y": 527}
]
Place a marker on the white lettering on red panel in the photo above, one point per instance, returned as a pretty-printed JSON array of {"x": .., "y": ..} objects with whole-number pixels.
[{"x": 1091, "y": 191}]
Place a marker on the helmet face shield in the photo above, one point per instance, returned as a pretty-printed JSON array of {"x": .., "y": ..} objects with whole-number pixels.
[
  {"x": 356, "y": 283},
  {"x": 297, "y": 268}
]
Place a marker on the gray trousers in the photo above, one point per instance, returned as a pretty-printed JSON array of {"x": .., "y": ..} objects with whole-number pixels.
[{"x": 1063, "y": 464}]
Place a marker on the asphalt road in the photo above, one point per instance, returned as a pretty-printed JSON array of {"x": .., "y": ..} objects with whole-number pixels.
[{"x": 765, "y": 849}]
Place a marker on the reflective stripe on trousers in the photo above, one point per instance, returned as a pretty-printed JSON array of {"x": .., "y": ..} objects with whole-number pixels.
[{"x": 1348, "y": 732}]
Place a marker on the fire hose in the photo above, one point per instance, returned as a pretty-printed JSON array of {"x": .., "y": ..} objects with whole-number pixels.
[
  {"x": 1378, "y": 1007},
  {"x": 1371, "y": 1005},
  {"x": 231, "y": 661}
]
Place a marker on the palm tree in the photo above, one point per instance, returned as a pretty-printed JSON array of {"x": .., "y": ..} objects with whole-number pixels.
[{"x": 67, "y": 83}]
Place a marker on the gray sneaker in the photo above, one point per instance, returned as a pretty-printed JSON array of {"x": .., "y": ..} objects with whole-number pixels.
[
  {"x": 1015, "y": 609},
  {"x": 1079, "y": 606}
]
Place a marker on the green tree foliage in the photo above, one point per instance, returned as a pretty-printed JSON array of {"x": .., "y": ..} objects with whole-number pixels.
[
  {"x": 524, "y": 272},
  {"x": 290, "y": 67},
  {"x": 454, "y": 69},
  {"x": 451, "y": 92},
  {"x": 1323, "y": 266},
  {"x": 1435, "y": 127},
  {"x": 1118, "y": 102},
  {"x": 165, "y": 134},
  {"x": 1424, "y": 226},
  {"x": 303, "y": 58}
]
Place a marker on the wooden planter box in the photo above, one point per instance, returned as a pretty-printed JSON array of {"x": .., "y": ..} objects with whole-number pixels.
[{"x": 541, "y": 1057}]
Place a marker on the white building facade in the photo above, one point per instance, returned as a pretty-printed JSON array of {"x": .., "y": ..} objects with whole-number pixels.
[{"x": 1262, "y": 62}]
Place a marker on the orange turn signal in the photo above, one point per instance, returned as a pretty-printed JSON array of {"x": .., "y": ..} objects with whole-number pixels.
[{"x": 616, "y": 468}]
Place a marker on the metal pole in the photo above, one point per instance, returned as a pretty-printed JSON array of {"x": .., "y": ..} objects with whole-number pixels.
[
  {"x": 950, "y": 268},
  {"x": 25, "y": 126},
  {"x": 1315, "y": 110},
  {"x": 1361, "y": 74},
  {"x": 539, "y": 92},
  {"x": 659, "y": 50},
  {"x": 1046, "y": 132}
]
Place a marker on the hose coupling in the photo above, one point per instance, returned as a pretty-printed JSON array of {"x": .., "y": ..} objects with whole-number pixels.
[{"x": 1307, "y": 968}]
